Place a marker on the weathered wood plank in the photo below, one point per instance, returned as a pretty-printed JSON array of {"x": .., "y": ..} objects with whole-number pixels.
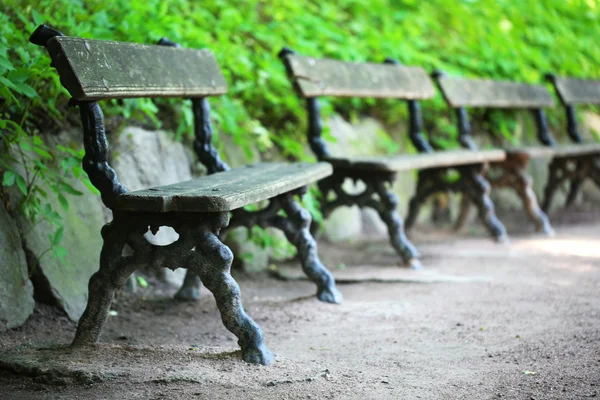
[
  {"x": 577, "y": 149},
  {"x": 578, "y": 91},
  {"x": 460, "y": 92},
  {"x": 325, "y": 77},
  {"x": 101, "y": 69},
  {"x": 226, "y": 191},
  {"x": 417, "y": 161},
  {"x": 566, "y": 150}
]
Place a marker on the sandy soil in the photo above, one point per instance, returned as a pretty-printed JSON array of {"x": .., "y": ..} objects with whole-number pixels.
[{"x": 482, "y": 321}]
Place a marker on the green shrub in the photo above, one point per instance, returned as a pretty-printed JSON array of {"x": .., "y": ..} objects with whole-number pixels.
[{"x": 484, "y": 38}]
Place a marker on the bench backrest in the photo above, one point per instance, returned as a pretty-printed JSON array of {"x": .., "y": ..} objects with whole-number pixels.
[
  {"x": 100, "y": 69},
  {"x": 459, "y": 92},
  {"x": 325, "y": 77},
  {"x": 572, "y": 91},
  {"x": 314, "y": 77},
  {"x": 577, "y": 91},
  {"x": 93, "y": 70}
]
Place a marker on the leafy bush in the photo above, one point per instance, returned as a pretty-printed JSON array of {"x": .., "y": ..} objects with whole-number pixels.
[{"x": 484, "y": 38}]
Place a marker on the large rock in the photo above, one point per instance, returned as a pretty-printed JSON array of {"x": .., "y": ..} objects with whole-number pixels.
[
  {"x": 67, "y": 282},
  {"x": 16, "y": 290},
  {"x": 144, "y": 159}
]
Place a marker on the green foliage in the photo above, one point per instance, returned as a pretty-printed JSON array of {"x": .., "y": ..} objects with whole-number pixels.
[{"x": 480, "y": 38}]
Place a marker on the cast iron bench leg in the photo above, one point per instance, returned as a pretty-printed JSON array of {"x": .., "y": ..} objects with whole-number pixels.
[
  {"x": 114, "y": 271},
  {"x": 525, "y": 191},
  {"x": 212, "y": 262},
  {"x": 376, "y": 196},
  {"x": 478, "y": 189},
  {"x": 425, "y": 188},
  {"x": 555, "y": 179},
  {"x": 296, "y": 228},
  {"x": 190, "y": 289},
  {"x": 386, "y": 207}
]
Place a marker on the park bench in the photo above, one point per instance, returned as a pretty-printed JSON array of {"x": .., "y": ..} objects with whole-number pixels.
[
  {"x": 582, "y": 160},
  {"x": 95, "y": 70},
  {"x": 313, "y": 78},
  {"x": 461, "y": 93}
]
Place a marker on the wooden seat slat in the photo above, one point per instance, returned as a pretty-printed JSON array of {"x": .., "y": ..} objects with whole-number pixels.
[
  {"x": 461, "y": 92},
  {"x": 578, "y": 91},
  {"x": 225, "y": 191},
  {"x": 102, "y": 69},
  {"x": 326, "y": 77},
  {"x": 566, "y": 150},
  {"x": 407, "y": 162}
]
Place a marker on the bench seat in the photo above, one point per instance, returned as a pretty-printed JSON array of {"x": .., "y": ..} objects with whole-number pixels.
[
  {"x": 225, "y": 191},
  {"x": 568, "y": 150},
  {"x": 417, "y": 161}
]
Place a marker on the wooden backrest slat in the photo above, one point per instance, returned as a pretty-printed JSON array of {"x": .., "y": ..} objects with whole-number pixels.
[
  {"x": 100, "y": 69},
  {"x": 325, "y": 77},
  {"x": 578, "y": 91},
  {"x": 460, "y": 92}
]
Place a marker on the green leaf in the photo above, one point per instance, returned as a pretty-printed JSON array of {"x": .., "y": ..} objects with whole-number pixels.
[
  {"x": 142, "y": 281},
  {"x": 21, "y": 184},
  {"x": 37, "y": 17},
  {"x": 70, "y": 189},
  {"x": 43, "y": 153},
  {"x": 19, "y": 75},
  {"x": 60, "y": 253},
  {"x": 5, "y": 65},
  {"x": 8, "y": 179},
  {"x": 8, "y": 83},
  {"x": 63, "y": 202},
  {"x": 58, "y": 236},
  {"x": 25, "y": 89}
]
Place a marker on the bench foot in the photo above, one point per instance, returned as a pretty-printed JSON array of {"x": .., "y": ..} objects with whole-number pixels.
[
  {"x": 212, "y": 262},
  {"x": 478, "y": 189},
  {"x": 525, "y": 191},
  {"x": 296, "y": 227},
  {"x": 113, "y": 273},
  {"x": 379, "y": 197},
  {"x": 190, "y": 289}
]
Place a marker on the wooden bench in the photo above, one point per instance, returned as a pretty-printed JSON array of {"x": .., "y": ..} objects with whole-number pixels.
[
  {"x": 461, "y": 94},
  {"x": 94, "y": 70},
  {"x": 313, "y": 78},
  {"x": 580, "y": 161}
]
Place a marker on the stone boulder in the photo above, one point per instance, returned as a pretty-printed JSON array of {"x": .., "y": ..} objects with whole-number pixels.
[{"x": 16, "y": 290}]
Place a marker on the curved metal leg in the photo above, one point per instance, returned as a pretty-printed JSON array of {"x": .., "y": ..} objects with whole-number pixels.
[
  {"x": 114, "y": 271},
  {"x": 414, "y": 205},
  {"x": 573, "y": 191},
  {"x": 525, "y": 191},
  {"x": 463, "y": 215},
  {"x": 554, "y": 181},
  {"x": 478, "y": 189},
  {"x": 190, "y": 289},
  {"x": 212, "y": 263},
  {"x": 386, "y": 208},
  {"x": 296, "y": 228}
]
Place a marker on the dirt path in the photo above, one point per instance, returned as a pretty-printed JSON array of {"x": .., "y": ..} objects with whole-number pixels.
[{"x": 483, "y": 321}]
